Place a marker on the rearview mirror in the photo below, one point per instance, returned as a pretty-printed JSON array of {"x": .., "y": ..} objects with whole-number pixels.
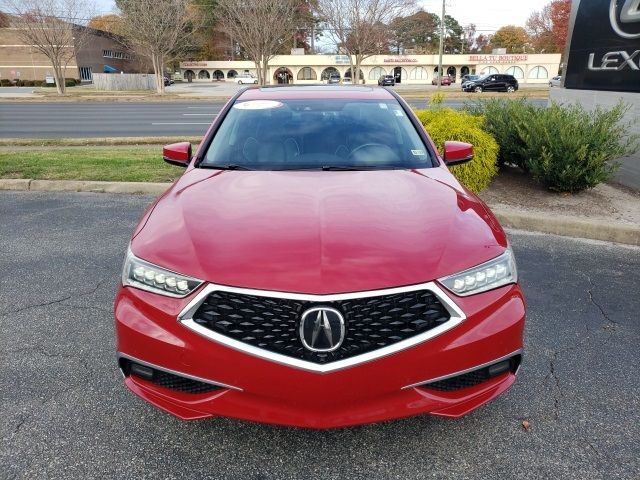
[
  {"x": 177, "y": 154},
  {"x": 456, "y": 153}
]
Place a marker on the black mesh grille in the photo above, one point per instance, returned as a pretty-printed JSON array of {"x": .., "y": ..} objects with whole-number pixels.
[
  {"x": 169, "y": 380},
  {"x": 273, "y": 323},
  {"x": 474, "y": 377},
  {"x": 182, "y": 384}
]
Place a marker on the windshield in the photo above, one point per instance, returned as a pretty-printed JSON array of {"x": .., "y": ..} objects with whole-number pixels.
[{"x": 316, "y": 134}]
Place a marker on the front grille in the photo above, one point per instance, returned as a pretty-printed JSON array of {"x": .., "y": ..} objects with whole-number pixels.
[
  {"x": 167, "y": 380},
  {"x": 273, "y": 323},
  {"x": 475, "y": 377}
]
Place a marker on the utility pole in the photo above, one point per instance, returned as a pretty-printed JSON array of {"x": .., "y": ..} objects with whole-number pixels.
[{"x": 440, "y": 48}]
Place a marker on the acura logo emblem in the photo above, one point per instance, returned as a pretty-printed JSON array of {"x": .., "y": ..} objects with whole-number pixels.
[
  {"x": 322, "y": 329},
  {"x": 630, "y": 13}
]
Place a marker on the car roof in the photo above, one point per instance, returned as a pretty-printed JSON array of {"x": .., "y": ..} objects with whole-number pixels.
[{"x": 302, "y": 92}]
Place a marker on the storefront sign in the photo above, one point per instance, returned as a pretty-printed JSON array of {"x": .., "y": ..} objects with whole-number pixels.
[
  {"x": 193, "y": 64},
  {"x": 489, "y": 59},
  {"x": 604, "y": 47},
  {"x": 342, "y": 59},
  {"x": 401, "y": 60}
]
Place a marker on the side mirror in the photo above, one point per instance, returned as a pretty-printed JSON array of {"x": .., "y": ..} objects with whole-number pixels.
[
  {"x": 456, "y": 153},
  {"x": 177, "y": 154}
]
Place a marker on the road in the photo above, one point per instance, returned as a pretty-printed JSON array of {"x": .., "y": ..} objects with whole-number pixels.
[
  {"x": 66, "y": 413},
  {"x": 117, "y": 119}
]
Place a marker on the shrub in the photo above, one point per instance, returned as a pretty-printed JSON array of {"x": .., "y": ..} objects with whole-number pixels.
[
  {"x": 38, "y": 83},
  {"x": 571, "y": 148},
  {"x": 27, "y": 83},
  {"x": 446, "y": 124},
  {"x": 566, "y": 147},
  {"x": 17, "y": 82},
  {"x": 69, "y": 82},
  {"x": 437, "y": 99},
  {"x": 5, "y": 82},
  {"x": 505, "y": 119}
]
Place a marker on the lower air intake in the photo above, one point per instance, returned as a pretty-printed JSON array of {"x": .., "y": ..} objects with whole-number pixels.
[
  {"x": 475, "y": 377},
  {"x": 165, "y": 379}
]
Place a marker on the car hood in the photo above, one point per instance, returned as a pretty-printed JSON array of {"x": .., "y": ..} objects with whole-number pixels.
[{"x": 318, "y": 232}]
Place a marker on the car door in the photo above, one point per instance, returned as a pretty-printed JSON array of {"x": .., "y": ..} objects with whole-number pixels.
[{"x": 490, "y": 83}]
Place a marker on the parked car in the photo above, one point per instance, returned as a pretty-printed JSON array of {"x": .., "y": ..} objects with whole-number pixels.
[
  {"x": 346, "y": 80},
  {"x": 387, "y": 80},
  {"x": 299, "y": 274},
  {"x": 333, "y": 78},
  {"x": 556, "y": 81},
  {"x": 468, "y": 78},
  {"x": 446, "y": 80},
  {"x": 245, "y": 78},
  {"x": 492, "y": 83},
  {"x": 167, "y": 81}
]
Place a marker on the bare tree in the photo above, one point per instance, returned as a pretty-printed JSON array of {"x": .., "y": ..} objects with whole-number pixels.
[
  {"x": 259, "y": 26},
  {"x": 355, "y": 25},
  {"x": 50, "y": 27},
  {"x": 158, "y": 30}
]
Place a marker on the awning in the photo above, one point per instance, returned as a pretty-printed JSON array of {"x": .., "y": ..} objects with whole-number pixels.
[{"x": 110, "y": 69}]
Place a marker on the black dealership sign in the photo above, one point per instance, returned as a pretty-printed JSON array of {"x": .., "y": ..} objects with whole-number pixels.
[{"x": 604, "y": 49}]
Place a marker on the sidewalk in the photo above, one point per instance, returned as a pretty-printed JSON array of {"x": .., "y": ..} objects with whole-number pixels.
[{"x": 608, "y": 212}]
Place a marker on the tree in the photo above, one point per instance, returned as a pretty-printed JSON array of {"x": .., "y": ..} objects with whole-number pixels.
[
  {"x": 45, "y": 25},
  {"x": 514, "y": 39},
  {"x": 549, "y": 27},
  {"x": 469, "y": 32},
  {"x": 560, "y": 13},
  {"x": 111, "y": 23},
  {"x": 417, "y": 32},
  {"x": 452, "y": 35},
  {"x": 159, "y": 31},
  {"x": 355, "y": 25},
  {"x": 259, "y": 26},
  {"x": 482, "y": 44}
]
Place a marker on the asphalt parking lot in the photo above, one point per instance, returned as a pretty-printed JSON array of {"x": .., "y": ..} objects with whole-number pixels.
[{"x": 66, "y": 413}]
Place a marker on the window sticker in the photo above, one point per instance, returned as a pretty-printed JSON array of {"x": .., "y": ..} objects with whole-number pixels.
[
  {"x": 418, "y": 153},
  {"x": 257, "y": 105}
]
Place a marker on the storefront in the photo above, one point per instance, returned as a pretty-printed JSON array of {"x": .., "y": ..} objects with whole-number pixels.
[{"x": 410, "y": 69}]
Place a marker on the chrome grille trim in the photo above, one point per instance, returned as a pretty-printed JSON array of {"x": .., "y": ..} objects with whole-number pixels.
[
  {"x": 467, "y": 370},
  {"x": 174, "y": 372},
  {"x": 457, "y": 316}
]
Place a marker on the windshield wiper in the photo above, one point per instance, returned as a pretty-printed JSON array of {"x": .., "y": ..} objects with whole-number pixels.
[
  {"x": 232, "y": 166},
  {"x": 347, "y": 168}
]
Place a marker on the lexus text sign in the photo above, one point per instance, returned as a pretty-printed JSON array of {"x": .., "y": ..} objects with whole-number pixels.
[{"x": 604, "y": 50}]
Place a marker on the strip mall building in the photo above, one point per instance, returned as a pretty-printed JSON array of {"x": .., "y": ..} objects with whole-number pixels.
[{"x": 409, "y": 69}]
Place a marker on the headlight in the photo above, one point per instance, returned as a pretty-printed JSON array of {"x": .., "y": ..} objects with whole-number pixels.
[
  {"x": 146, "y": 276},
  {"x": 487, "y": 276}
]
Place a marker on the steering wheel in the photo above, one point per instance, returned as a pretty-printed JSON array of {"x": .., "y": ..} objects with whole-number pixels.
[{"x": 379, "y": 151}]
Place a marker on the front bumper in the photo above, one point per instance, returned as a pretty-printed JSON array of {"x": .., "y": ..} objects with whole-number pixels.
[{"x": 253, "y": 388}]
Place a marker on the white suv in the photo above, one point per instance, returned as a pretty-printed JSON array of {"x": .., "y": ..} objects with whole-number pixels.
[{"x": 245, "y": 78}]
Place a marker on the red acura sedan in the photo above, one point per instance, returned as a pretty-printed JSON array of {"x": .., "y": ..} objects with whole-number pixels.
[{"x": 318, "y": 265}]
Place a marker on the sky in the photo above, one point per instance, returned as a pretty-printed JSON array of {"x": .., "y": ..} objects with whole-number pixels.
[{"x": 488, "y": 15}]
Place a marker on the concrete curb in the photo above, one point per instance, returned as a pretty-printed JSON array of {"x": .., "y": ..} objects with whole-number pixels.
[
  {"x": 593, "y": 229},
  {"x": 82, "y": 186}
]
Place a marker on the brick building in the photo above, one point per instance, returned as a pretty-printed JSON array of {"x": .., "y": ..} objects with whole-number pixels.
[{"x": 103, "y": 52}]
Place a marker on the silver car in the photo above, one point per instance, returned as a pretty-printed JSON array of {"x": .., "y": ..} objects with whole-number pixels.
[{"x": 556, "y": 81}]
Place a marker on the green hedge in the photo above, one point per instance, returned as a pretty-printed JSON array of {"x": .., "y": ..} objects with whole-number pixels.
[
  {"x": 446, "y": 124},
  {"x": 504, "y": 120},
  {"x": 567, "y": 148}
]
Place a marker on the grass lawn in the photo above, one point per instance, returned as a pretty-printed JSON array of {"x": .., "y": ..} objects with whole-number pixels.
[{"x": 116, "y": 165}]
